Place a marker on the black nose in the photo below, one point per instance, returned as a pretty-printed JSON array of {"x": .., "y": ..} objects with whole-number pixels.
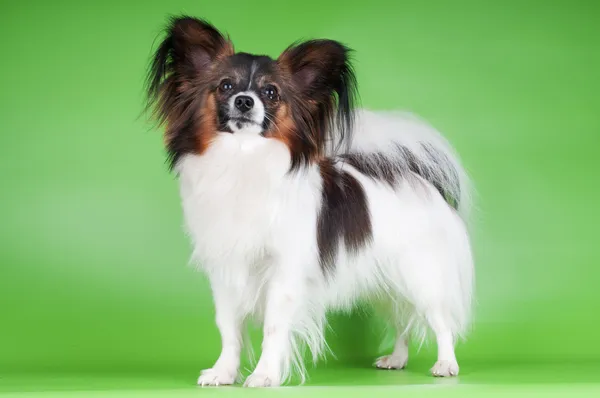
[{"x": 244, "y": 103}]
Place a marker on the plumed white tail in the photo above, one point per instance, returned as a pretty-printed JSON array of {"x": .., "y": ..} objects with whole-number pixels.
[{"x": 425, "y": 147}]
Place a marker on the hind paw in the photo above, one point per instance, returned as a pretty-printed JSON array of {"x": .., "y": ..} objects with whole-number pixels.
[{"x": 392, "y": 362}]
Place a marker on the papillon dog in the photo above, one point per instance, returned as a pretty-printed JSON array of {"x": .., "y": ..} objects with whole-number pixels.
[{"x": 297, "y": 202}]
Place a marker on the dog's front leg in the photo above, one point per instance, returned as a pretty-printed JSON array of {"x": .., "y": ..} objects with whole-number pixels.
[
  {"x": 230, "y": 320},
  {"x": 285, "y": 305}
]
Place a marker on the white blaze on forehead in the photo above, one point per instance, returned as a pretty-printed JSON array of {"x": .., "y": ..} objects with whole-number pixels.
[{"x": 253, "y": 69}]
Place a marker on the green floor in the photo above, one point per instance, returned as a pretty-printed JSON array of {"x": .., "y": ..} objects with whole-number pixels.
[{"x": 476, "y": 380}]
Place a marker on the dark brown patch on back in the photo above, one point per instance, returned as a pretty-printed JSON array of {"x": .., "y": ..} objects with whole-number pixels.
[{"x": 344, "y": 215}]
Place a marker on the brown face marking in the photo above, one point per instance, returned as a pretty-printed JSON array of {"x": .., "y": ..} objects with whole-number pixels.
[
  {"x": 208, "y": 124},
  {"x": 282, "y": 127}
]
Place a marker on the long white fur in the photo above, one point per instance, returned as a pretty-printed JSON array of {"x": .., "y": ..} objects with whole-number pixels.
[{"x": 253, "y": 227}]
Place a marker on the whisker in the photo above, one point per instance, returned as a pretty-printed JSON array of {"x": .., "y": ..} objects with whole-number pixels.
[{"x": 273, "y": 122}]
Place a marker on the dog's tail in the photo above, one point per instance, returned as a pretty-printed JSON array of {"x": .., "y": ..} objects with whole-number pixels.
[{"x": 414, "y": 148}]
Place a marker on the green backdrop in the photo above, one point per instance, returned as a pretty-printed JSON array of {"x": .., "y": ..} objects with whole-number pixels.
[{"x": 95, "y": 291}]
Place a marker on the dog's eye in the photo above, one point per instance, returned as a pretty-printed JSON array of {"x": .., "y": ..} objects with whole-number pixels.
[
  {"x": 226, "y": 85},
  {"x": 270, "y": 92}
]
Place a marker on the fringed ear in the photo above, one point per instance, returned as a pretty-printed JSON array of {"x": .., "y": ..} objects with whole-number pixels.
[
  {"x": 321, "y": 71},
  {"x": 188, "y": 51}
]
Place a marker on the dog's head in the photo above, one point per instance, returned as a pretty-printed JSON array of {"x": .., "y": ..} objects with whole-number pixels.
[{"x": 200, "y": 87}]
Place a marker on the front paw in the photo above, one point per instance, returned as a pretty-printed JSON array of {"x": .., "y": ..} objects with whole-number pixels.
[
  {"x": 258, "y": 379},
  {"x": 445, "y": 368},
  {"x": 216, "y": 377}
]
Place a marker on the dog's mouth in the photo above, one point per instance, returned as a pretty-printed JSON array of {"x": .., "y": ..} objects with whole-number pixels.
[
  {"x": 243, "y": 120},
  {"x": 240, "y": 122}
]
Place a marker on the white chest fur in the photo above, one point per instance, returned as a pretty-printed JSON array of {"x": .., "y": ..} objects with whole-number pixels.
[{"x": 234, "y": 197}]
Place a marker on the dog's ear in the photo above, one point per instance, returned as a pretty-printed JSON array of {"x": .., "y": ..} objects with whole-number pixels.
[
  {"x": 186, "y": 56},
  {"x": 196, "y": 45},
  {"x": 318, "y": 67},
  {"x": 189, "y": 50},
  {"x": 321, "y": 72}
]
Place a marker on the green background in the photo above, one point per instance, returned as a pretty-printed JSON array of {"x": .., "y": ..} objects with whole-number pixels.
[{"x": 95, "y": 293}]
